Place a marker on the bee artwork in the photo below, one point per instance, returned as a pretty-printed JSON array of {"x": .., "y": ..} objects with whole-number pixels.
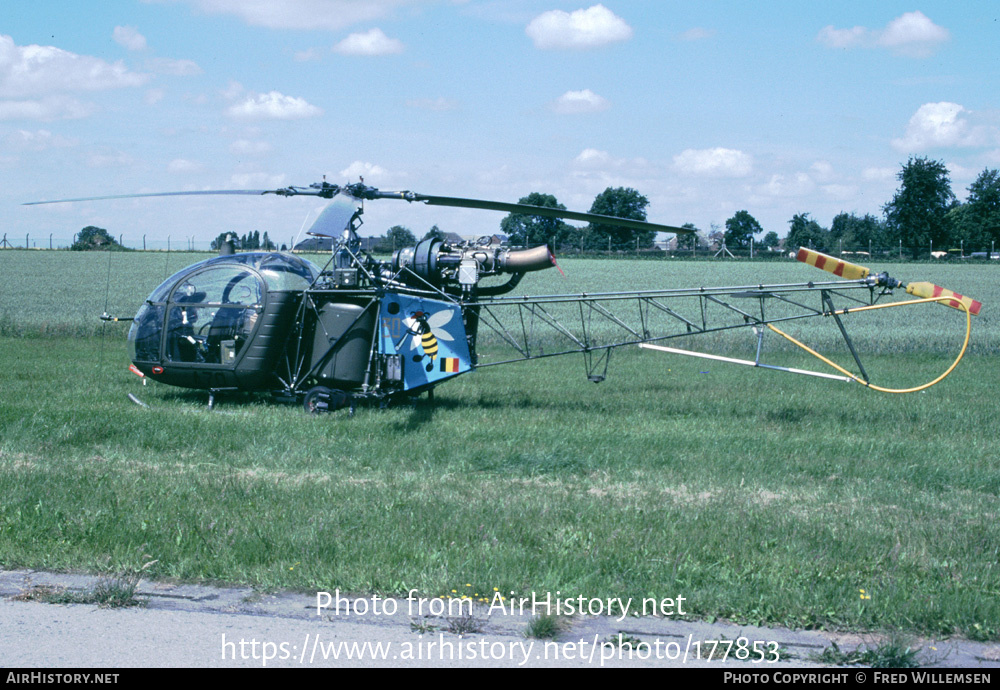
[{"x": 422, "y": 329}]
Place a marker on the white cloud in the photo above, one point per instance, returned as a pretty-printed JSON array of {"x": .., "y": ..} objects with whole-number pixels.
[
  {"x": 273, "y": 106},
  {"x": 174, "y": 68},
  {"x": 575, "y": 102},
  {"x": 373, "y": 42},
  {"x": 840, "y": 192},
  {"x": 593, "y": 157},
  {"x": 434, "y": 104},
  {"x": 45, "y": 109},
  {"x": 715, "y": 162},
  {"x": 245, "y": 147},
  {"x": 797, "y": 185},
  {"x": 822, "y": 170},
  {"x": 309, "y": 55},
  {"x": 257, "y": 180},
  {"x": 129, "y": 37},
  {"x": 589, "y": 28},
  {"x": 878, "y": 174},
  {"x": 182, "y": 165},
  {"x": 109, "y": 159},
  {"x": 594, "y": 170},
  {"x": 843, "y": 38},
  {"x": 912, "y": 34},
  {"x": 331, "y": 15},
  {"x": 359, "y": 169},
  {"x": 938, "y": 124},
  {"x": 42, "y": 70},
  {"x": 233, "y": 91},
  {"x": 39, "y": 140}
]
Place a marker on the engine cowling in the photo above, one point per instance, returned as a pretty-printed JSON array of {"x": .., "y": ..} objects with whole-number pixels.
[{"x": 441, "y": 264}]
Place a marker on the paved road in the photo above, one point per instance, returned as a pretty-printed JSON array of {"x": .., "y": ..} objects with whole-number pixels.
[{"x": 200, "y": 626}]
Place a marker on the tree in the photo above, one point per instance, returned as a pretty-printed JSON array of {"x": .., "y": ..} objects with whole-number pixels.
[
  {"x": 401, "y": 236},
  {"x": 977, "y": 221},
  {"x": 621, "y": 202},
  {"x": 395, "y": 238},
  {"x": 688, "y": 241},
  {"x": 917, "y": 214},
  {"x": 806, "y": 232},
  {"x": 715, "y": 237},
  {"x": 92, "y": 238},
  {"x": 849, "y": 230},
  {"x": 529, "y": 231},
  {"x": 221, "y": 238},
  {"x": 435, "y": 233},
  {"x": 740, "y": 229},
  {"x": 770, "y": 240}
]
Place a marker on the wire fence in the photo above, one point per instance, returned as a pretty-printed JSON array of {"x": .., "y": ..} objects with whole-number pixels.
[{"x": 849, "y": 252}]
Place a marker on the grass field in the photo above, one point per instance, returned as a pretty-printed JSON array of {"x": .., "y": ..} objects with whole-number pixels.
[{"x": 758, "y": 496}]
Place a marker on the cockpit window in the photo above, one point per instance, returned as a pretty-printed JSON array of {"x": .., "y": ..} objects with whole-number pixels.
[
  {"x": 211, "y": 314},
  {"x": 225, "y": 284},
  {"x": 284, "y": 272},
  {"x": 281, "y": 271}
]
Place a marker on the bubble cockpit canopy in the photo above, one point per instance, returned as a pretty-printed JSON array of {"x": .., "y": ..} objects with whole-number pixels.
[{"x": 207, "y": 312}]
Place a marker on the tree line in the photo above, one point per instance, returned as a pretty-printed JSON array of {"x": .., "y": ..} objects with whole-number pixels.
[
  {"x": 247, "y": 242},
  {"x": 923, "y": 214}
]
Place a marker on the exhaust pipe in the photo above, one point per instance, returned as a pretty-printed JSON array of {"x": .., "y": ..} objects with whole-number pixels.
[{"x": 525, "y": 260}]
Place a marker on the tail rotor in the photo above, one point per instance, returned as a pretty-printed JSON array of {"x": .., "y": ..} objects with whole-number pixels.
[{"x": 920, "y": 289}]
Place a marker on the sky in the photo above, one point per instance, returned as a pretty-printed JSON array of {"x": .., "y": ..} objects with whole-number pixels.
[{"x": 706, "y": 108}]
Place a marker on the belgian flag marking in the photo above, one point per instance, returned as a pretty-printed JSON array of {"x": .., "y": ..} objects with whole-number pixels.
[{"x": 449, "y": 365}]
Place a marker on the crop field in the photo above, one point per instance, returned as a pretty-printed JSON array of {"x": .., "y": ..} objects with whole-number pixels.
[{"x": 760, "y": 497}]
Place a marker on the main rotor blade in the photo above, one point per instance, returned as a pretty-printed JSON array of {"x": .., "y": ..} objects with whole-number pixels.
[
  {"x": 361, "y": 191},
  {"x": 249, "y": 192},
  {"x": 528, "y": 210}
]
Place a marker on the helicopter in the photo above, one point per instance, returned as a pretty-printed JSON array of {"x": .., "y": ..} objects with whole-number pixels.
[{"x": 364, "y": 330}]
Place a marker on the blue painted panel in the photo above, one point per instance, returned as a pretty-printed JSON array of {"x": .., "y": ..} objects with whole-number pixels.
[{"x": 429, "y": 336}]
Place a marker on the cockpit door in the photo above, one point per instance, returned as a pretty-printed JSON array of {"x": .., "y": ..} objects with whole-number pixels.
[{"x": 211, "y": 315}]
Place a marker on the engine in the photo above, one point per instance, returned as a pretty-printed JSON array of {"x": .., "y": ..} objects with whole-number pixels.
[{"x": 460, "y": 267}]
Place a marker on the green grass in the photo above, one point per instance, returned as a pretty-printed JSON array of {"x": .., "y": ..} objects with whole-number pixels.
[
  {"x": 544, "y": 627},
  {"x": 758, "y": 496},
  {"x": 110, "y": 592},
  {"x": 892, "y": 653}
]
